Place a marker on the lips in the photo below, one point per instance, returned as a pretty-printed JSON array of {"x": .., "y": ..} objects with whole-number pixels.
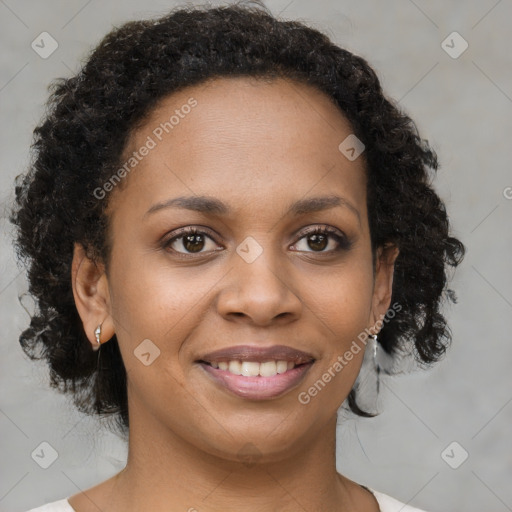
[
  {"x": 233, "y": 369},
  {"x": 258, "y": 354}
]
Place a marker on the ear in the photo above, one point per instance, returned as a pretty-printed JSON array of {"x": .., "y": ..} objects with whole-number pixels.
[
  {"x": 92, "y": 297},
  {"x": 383, "y": 283}
]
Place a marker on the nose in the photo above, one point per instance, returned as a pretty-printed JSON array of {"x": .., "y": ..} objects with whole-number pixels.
[{"x": 260, "y": 292}]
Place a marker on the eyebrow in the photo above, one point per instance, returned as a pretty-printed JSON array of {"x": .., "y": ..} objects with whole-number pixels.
[{"x": 205, "y": 204}]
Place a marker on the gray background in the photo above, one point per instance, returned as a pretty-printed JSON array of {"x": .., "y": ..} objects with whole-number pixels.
[{"x": 463, "y": 106}]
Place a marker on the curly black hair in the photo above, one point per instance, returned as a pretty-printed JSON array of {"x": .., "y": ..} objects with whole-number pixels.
[{"x": 79, "y": 144}]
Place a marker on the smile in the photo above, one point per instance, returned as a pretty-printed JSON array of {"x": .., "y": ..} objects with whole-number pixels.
[
  {"x": 253, "y": 368},
  {"x": 254, "y": 380}
]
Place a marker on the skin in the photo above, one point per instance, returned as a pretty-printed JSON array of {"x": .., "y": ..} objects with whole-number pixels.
[{"x": 258, "y": 146}]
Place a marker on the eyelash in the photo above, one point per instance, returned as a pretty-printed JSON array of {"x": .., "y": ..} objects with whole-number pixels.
[{"x": 344, "y": 244}]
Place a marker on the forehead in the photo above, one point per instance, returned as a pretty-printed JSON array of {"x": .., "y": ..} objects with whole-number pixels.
[{"x": 243, "y": 134}]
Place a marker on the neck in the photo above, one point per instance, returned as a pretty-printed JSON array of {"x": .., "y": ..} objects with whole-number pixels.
[{"x": 166, "y": 473}]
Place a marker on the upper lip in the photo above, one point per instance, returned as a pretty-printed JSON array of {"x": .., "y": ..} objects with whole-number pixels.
[{"x": 258, "y": 354}]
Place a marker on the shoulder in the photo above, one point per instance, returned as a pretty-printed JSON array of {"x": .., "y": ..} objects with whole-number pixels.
[
  {"x": 389, "y": 504},
  {"x": 56, "y": 506}
]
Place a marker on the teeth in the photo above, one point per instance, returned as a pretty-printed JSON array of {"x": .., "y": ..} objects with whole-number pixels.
[
  {"x": 268, "y": 369},
  {"x": 234, "y": 367},
  {"x": 282, "y": 366},
  {"x": 253, "y": 368},
  {"x": 249, "y": 369}
]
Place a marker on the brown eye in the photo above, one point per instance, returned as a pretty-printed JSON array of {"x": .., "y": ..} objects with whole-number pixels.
[
  {"x": 320, "y": 238},
  {"x": 318, "y": 242},
  {"x": 193, "y": 243},
  {"x": 190, "y": 241}
]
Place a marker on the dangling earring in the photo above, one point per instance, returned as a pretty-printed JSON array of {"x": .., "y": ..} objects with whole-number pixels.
[
  {"x": 376, "y": 366},
  {"x": 97, "y": 335},
  {"x": 367, "y": 383},
  {"x": 373, "y": 337}
]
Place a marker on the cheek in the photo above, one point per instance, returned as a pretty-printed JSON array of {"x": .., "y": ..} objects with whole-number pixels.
[
  {"x": 344, "y": 297},
  {"x": 157, "y": 303},
  {"x": 342, "y": 307}
]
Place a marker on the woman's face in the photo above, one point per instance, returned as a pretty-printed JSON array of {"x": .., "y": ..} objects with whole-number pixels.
[{"x": 253, "y": 275}]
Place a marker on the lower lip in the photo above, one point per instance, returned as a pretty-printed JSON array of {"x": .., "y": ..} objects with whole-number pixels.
[{"x": 258, "y": 388}]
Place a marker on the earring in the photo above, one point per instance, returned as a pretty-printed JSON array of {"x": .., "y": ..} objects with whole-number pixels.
[
  {"x": 376, "y": 365},
  {"x": 367, "y": 383},
  {"x": 373, "y": 337},
  {"x": 97, "y": 335}
]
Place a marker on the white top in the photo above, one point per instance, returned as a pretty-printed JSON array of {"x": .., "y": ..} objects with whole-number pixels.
[{"x": 386, "y": 504}]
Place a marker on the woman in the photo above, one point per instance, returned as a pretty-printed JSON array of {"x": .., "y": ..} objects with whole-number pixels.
[{"x": 224, "y": 218}]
